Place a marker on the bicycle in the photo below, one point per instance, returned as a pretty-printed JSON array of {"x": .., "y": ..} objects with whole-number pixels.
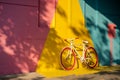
[{"x": 69, "y": 55}]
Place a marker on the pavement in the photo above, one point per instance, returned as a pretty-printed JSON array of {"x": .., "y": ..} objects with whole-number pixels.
[{"x": 104, "y": 73}]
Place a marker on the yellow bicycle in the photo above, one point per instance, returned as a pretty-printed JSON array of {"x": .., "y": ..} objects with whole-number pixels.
[{"x": 69, "y": 55}]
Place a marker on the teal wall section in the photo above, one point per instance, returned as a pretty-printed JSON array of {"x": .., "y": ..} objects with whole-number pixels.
[{"x": 98, "y": 13}]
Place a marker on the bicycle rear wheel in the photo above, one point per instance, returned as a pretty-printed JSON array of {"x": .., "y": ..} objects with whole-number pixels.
[
  {"x": 91, "y": 57},
  {"x": 67, "y": 58}
]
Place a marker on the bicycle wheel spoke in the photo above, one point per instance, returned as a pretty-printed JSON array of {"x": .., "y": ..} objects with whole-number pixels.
[
  {"x": 91, "y": 57},
  {"x": 67, "y": 59}
]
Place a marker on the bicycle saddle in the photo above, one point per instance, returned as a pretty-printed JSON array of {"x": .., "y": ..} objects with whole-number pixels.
[{"x": 85, "y": 42}]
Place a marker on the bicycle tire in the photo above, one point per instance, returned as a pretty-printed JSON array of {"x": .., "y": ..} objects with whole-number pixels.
[
  {"x": 89, "y": 57},
  {"x": 63, "y": 59}
]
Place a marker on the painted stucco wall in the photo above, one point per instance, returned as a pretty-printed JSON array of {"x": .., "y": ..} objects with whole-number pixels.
[
  {"x": 68, "y": 22},
  {"x": 32, "y": 32},
  {"x": 98, "y": 14},
  {"x": 22, "y": 37}
]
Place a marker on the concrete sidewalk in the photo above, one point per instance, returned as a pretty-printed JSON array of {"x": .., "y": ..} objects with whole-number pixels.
[
  {"x": 27, "y": 76},
  {"x": 105, "y": 73}
]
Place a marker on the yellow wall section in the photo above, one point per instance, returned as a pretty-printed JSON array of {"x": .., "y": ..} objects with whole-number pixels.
[{"x": 68, "y": 22}]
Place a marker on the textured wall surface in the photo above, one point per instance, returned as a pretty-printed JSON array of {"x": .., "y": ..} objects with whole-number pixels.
[
  {"x": 68, "y": 22},
  {"x": 32, "y": 32},
  {"x": 21, "y": 35},
  {"x": 98, "y": 14}
]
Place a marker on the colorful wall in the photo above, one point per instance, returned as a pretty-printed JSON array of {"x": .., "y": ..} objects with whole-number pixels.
[
  {"x": 98, "y": 14},
  {"x": 32, "y": 32},
  {"x": 22, "y": 37}
]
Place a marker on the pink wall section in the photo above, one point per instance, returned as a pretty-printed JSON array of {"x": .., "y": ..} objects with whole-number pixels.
[
  {"x": 21, "y": 40},
  {"x": 22, "y": 2}
]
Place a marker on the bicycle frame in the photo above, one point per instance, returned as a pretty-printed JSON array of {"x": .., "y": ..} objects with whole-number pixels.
[
  {"x": 72, "y": 55},
  {"x": 72, "y": 46}
]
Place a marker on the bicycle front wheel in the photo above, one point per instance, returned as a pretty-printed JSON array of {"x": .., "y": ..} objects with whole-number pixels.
[
  {"x": 67, "y": 58},
  {"x": 91, "y": 57}
]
